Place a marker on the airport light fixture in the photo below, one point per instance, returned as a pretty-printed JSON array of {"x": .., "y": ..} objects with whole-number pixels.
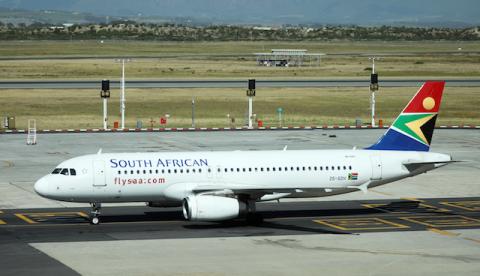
[
  {"x": 105, "y": 94},
  {"x": 122, "y": 87},
  {"x": 373, "y": 87},
  {"x": 250, "y": 95},
  {"x": 193, "y": 112}
]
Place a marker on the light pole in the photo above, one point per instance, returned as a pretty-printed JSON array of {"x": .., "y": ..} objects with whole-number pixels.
[
  {"x": 373, "y": 88},
  {"x": 105, "y": 94},
  {"x": 250, "y": 95},
  {"x": 122, "y": 86},
  {"x": 193, "y": 112}
]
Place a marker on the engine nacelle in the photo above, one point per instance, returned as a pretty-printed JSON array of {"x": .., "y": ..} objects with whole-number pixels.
[{"x": 212, "y": 208}]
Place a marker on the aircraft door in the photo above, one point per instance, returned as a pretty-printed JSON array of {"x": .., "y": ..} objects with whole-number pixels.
[
  {"x": 376, "y": 164},
  {"x": 99, "y": 175}
]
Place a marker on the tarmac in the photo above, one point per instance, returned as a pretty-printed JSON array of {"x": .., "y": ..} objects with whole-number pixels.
[{"x": 422, "y": 225}]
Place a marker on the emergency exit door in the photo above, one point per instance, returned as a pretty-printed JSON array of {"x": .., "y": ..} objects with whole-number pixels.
[
  {"x": 376, "y": 164},
  {"x": 99, "y": 175}
]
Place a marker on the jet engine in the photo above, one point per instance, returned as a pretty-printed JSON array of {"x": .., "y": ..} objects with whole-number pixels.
[{"x": 212, "y": 208}]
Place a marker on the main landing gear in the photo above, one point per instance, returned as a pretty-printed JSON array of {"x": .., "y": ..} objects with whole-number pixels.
[
  {"x": 252, "y": 217},
  {"x": 94, "y": 215}
]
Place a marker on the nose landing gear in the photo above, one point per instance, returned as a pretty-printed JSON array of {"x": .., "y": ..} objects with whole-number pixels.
[{"x": 94, "y": 215}]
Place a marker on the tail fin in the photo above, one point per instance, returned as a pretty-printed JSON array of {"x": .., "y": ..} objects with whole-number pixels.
[{"x": 413, "y": 128}]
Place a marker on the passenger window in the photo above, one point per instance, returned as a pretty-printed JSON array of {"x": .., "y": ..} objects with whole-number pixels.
[
  {"x": 174, "y": 170},
  {"x": 326, "y": 168},
  {"x": 73, "y": 172},
  {"x": 131, "y": 172},
  {"x": 333, "y": 168},
  {"x": 349, "y": 167},
  {"x": 279, "y": 169},
  {"x": 286, "y": 168},
  {"x": 181, "y": 170},
  {"x": 144, "y": 172},
  {"x": 56, "y": 171},
  {"x": 338, "y": 167},
  {"x": 199, "y": 170},
  {"x": 138, "y": 171},
  {"x": 309, "y": 168},
  {"x": 64, "y": 172},
  {"x": 249, "y": 169},
  {"x": 193, "y": 170},
  {"x": 119, "y": 172},
  {"x": 226, "y": 170},
  {"x": 344, "y": 167},
  {"x": 261, "y": 169},
  {"x": 125, "y": 172}
]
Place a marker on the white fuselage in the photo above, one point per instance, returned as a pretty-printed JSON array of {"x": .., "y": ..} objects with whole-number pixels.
[{"x": 172, "y": 176}]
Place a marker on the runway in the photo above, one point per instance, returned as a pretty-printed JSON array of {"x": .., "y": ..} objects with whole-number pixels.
[{"x": 92, "y": 84}]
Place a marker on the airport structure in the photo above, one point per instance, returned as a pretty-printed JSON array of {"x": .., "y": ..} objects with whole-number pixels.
[{"x": 288, "y": 57}]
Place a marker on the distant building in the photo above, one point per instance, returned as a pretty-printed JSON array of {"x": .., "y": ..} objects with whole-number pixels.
[{"x": 288, "y": 57}]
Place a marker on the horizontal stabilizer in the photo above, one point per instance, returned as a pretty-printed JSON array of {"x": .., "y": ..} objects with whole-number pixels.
[{"x": 415, "y": 166}]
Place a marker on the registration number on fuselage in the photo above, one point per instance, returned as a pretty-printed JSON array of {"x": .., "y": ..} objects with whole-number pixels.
[{"x": 337, "y": 178}]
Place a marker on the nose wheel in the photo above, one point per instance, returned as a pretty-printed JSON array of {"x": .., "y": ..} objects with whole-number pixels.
[{"x": 95, "y": 214}]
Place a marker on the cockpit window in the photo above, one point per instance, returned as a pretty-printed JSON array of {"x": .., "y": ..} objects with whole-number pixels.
[
  {"x": 73, "y": 172},
  {"x": 56, "y": 171},
  {"x": 64, "y": 172}
]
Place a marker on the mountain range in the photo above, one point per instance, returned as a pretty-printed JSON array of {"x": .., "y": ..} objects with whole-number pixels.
[{"x": 273, "y": 12}]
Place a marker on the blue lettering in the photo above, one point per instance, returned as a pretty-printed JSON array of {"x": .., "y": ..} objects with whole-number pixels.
[
  {"x": 147, "y": 163},
  {"x": 188, "y": 162},
  {"x": 160, "y": 162},
  {"x": 122, "y": 163},
  {"x": 203, "y": 162},
  {"x": 114, "y": 163},
  {"x": 175, "y": 163},
  {"x": 131, "y": 163}
]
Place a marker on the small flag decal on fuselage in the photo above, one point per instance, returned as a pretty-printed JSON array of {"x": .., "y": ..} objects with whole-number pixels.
[{"x": 353, "y": 176}]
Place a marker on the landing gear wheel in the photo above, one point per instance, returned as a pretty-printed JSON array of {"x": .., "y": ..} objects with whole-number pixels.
[
  {"x": 95, "y": 220},
  {"x": 94, "y": 215}
]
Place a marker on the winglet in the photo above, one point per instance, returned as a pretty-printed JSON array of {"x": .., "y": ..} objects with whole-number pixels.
[{"x": 99, "y": 151}]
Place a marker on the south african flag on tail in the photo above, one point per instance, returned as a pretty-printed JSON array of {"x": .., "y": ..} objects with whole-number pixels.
[{"x": 413, "y": 129}]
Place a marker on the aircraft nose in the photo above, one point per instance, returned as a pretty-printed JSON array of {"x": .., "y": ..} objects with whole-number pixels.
[{"x": 42, "y": 187}]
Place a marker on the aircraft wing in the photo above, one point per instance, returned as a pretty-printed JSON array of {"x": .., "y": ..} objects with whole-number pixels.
[{"x": 253, "y": 191}]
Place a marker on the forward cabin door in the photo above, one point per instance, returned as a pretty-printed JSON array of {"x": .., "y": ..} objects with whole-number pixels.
[
  {"x": 99, "y": 175},
  {"x": 376, "y": 164}
]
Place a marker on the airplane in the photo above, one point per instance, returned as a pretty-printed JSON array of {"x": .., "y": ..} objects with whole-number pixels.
[{"x": 218, "y": 186}]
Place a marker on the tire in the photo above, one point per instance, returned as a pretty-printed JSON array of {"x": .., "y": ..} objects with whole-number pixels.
[{"x": 95, "y": 221}]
